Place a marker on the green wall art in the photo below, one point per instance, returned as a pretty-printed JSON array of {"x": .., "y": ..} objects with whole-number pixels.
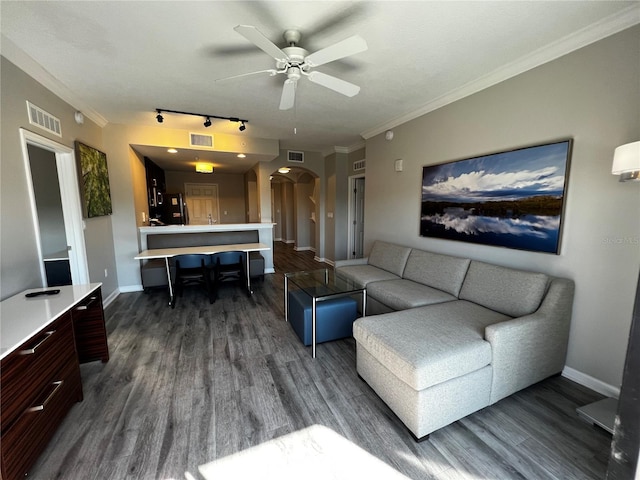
[{"x": 94, "y": 181}]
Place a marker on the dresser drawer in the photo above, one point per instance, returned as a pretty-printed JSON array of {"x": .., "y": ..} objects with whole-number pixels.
[
  {"x": 90, "y": 330},
  {"x": 35, "y": 425},
  {"x": 31, "y": 366}
]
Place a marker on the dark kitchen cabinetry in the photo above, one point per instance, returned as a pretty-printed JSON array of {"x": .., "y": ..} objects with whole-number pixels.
[{"x": 156, "y": 186}]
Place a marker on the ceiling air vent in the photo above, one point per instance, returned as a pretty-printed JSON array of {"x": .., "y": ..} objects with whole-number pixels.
[
  {"x": 359, "y": 164},
  {"x": 294, "y": 156},
  {"x": 42, "y": 119},
  {"x": 199, "y": 140}
]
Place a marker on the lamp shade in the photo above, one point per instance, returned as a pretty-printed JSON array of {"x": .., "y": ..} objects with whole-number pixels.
[
  {"x": 204, "y": 167},
  {"x": 626, "y": 158}
]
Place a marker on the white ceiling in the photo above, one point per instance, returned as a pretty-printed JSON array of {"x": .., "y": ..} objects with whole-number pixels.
[{"x": 118, "y": 61}]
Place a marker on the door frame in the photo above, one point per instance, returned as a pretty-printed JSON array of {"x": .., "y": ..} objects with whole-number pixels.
[
  {"x": 351, "y": 216},
  {"x": 71, "y": 208}
]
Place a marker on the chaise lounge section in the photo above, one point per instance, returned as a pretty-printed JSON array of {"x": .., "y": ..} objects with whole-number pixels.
[{"x": 459, "y": 334}]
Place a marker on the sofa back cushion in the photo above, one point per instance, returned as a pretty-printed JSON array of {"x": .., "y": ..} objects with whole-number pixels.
[
  {"x": 443, "y": 272},
  {"x": 505, "y": 290},
  {"x": 389, "y": 257}
]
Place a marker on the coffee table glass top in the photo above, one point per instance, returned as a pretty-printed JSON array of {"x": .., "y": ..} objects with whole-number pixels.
[{"x": 322, "y": 283}]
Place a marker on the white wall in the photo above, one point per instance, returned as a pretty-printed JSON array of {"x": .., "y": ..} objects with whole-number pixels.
[{"x": 591, "y": 95}]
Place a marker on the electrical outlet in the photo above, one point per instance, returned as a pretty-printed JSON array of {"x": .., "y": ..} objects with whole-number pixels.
[{"x": 106, "y": 273}]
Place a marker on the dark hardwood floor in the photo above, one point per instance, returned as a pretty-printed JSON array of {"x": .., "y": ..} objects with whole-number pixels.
[{"x": 186, "y": 386}]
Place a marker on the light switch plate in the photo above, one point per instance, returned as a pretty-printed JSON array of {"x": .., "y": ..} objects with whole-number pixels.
[{"x": 398, "y": 165}]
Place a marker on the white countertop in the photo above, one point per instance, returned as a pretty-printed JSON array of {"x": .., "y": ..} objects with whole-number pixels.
[
  {"x": 216, "y": 227},
  {"x": 21, "y": 317}
]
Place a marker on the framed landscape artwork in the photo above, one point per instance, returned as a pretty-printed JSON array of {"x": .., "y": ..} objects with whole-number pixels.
[
  {"x": 512, "y": 199},
  {"x": 94, "y": 181}
]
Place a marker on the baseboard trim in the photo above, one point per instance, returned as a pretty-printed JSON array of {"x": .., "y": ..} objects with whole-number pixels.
[
  {"x": 108, "y": 300},
  {"x": 130, "y": 288},
  {"x": 591, "y": 382},
  {"x": 302, "y": 249}
]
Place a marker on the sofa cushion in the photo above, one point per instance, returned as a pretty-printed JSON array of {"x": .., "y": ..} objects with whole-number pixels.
[
  {"x": 506, "y": 290},
  {"x": 389, "y": 257},
  {"x": 401, "y": 294},
  {"x": 362, "y": 275},
  {"x": 429, "y": 345},
  {"x": 443, "y": 272}
]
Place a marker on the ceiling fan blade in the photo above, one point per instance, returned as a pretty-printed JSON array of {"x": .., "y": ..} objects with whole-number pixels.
[
  {"x": 270, "y": 71},
  {"x": 288, "y": 94},
  {"x": 259, "y": 40},
  {"x": 340, "y": 86},
  {"x": 346, "y": 47}
]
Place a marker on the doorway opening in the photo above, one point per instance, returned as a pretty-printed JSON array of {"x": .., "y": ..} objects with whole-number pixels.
[
  {"x": 356, "y": 216},
  {"x": 69, "y": 195}
]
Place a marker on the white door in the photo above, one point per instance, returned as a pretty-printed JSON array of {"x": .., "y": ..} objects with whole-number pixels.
[
  {"x": 71, "y": 208},
  {"x": 202, "y": 203}
]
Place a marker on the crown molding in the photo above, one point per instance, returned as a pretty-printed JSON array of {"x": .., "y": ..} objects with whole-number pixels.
[
  {"x": 18, "y": 57},
  {"x": 597, "y": 31}
]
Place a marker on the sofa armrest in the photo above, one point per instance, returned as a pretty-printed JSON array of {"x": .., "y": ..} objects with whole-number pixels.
[
  {"x": 351, "y": 261},
  {"x": 528, "y": 349}
]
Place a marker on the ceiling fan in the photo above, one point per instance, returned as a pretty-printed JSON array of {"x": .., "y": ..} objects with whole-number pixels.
[{"x": 295, "y": 62}]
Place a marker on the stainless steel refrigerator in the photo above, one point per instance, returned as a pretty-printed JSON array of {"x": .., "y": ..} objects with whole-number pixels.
[{"x": 175, "y": 209}]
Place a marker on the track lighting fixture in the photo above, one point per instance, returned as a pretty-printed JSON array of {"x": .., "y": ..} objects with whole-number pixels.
[{"x": 207, "y": 122}]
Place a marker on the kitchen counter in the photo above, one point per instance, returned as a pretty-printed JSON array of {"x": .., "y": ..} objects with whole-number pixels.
[
  {"x": 265, "y": 235},
  {"x": 21, "y": 317}
]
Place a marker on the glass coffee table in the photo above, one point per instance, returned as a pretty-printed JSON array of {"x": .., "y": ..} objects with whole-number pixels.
[{"x": 321, "y": 285}]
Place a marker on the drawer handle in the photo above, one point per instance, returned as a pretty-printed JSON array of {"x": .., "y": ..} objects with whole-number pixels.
[
  {"x": 31, "y": 351},
  {"x": 86, "y": 305},
  {"x": 40, "y": 407}
]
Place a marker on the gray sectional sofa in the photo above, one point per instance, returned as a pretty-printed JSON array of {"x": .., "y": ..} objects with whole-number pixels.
[{"x": 446, "y": 336}]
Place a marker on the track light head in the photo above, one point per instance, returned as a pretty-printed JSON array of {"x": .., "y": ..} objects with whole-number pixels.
[
  {"x": 242, "y": 127},
  {"x": 160, "y": 118},
  {"x": 207, "y": 122}
]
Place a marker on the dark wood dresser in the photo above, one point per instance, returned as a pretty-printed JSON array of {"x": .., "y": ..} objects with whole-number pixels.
[{"x": 43, "y": 340}]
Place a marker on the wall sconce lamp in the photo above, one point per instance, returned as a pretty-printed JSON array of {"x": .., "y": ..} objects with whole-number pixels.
[
  {"x": 204, "y": 167},
  {"x": 626, "y": 162}
]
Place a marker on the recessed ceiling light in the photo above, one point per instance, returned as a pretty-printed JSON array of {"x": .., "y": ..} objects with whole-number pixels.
[
  {"x": 284, "y": 170},
  {"x": 172, "y": 150},
  {"x": 241, "y": 155}
]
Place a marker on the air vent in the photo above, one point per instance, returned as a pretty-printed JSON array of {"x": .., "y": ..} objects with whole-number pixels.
[
  {"x": 359, "y": 164},
  {"x": 199, "y": 140},
  {"x": 42, "y": 119},
  {"x": 294, "y": 156}
]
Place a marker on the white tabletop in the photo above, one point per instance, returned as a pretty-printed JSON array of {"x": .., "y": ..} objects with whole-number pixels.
[
  {"x": 200, "y": 250},
  {"x": 21, "y": 317}
]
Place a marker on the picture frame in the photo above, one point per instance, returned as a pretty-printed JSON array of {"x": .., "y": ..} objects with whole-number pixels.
[
  {"x": 513, "y": 199},
  {"x": 93, "y": 176}
]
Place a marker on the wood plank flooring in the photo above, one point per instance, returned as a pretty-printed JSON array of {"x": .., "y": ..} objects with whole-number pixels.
[{"x": 190, "y": 385}]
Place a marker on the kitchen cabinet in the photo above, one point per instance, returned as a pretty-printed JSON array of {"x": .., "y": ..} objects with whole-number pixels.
[{"x": 39, "y": 367}]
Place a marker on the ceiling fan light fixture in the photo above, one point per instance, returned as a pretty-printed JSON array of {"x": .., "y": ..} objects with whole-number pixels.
[{"x": 204, "y": 167}]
